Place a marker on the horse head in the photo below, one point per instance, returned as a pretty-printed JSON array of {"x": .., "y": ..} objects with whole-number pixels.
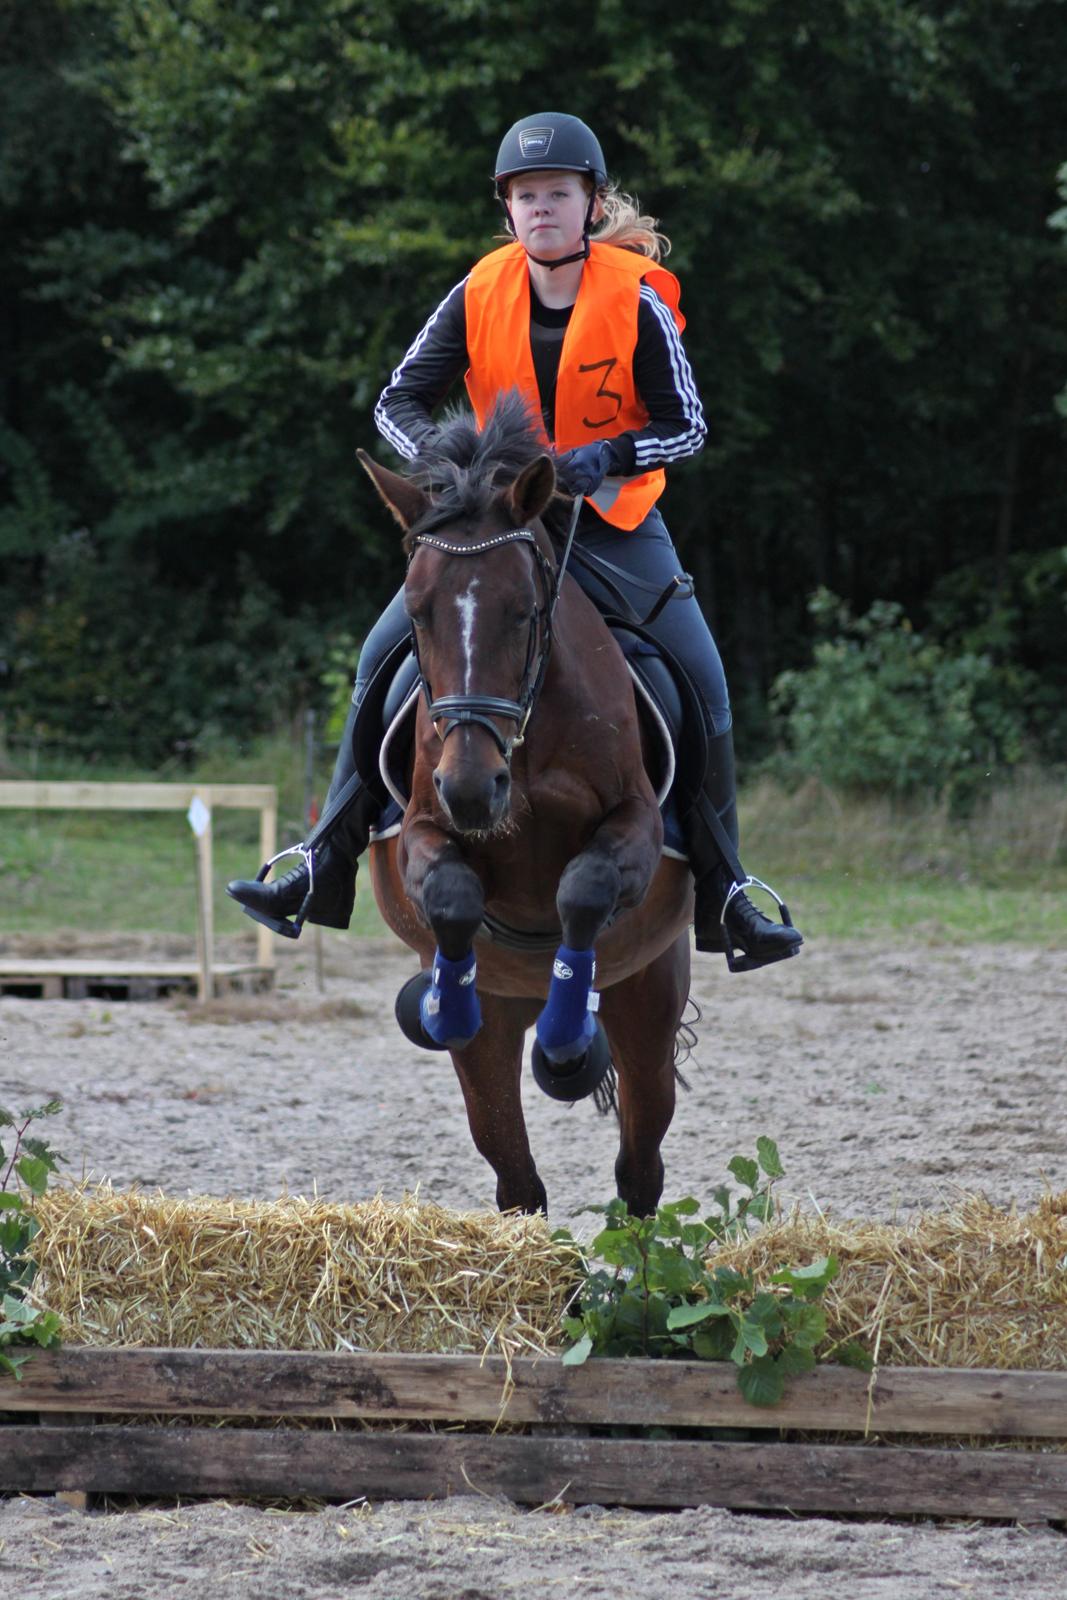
[{"x": 479, "y": 589}]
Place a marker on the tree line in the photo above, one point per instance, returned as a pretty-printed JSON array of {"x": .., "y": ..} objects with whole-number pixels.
[{"x": 222, "y": 221}]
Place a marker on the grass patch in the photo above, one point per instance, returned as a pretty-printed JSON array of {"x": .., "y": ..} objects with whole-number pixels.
[
  {"x": 869, "y": 867},
  {"x": 847, "y": 867}
]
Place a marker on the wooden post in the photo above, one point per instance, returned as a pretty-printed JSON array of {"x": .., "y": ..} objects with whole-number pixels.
[
  {"x": 205, "y": 910},
  {"x": 268, "y": 843}
]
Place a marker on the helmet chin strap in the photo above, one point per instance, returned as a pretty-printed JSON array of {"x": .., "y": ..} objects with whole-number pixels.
[{"x": 562, "y": 261}]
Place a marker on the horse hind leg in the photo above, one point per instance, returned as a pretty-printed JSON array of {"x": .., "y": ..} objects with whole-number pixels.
[
  {"x": 642, "y": 1016},
  {"x": 489, "y": 1069}
]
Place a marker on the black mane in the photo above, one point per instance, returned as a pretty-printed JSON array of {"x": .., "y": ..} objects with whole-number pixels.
[{"x": 463, "y": 470}]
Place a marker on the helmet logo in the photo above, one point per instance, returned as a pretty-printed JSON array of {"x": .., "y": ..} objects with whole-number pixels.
[{"x": 534, "y": 142}]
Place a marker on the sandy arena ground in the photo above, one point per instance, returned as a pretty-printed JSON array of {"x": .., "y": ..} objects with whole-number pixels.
[{"x": 887, "y": 1075}]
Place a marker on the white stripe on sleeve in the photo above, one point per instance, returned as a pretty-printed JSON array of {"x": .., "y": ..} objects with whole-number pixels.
[
  {"x": 653, "y": 450},
  {"x": 400, "y": 441}
]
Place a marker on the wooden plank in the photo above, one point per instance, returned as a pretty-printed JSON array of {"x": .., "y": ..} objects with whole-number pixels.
[
  {"x": 82, "y": 968},
  {"x": 1023, "y": 1485},
  {"x": 134, "y": 796},
  {"x": 89, "y": 979},
  {"x": 254, "y": 1383},
  {"x": 73, "y": 1499}
]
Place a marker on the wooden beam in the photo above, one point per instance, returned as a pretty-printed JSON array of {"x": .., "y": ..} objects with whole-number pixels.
[
  {"x": 33, "y": 796},
  {"x": 1021, "y": 1485},
  {"x": 80, "y": 967},
  {"x": 257, "y": 1383}
]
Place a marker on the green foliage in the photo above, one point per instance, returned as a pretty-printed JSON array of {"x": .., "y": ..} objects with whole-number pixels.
[
  {"x": 1017, "y": 616},
  {"x": 660, "y": 1294},
  {"x": 102, "y": 662},
  {"x": 884, "y": 708},
  {"x": 222, "y": 223},
  {"x": 23, "y": 1327}
]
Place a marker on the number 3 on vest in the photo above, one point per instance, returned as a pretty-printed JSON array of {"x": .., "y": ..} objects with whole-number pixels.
[{"x": 605, "y": 394}]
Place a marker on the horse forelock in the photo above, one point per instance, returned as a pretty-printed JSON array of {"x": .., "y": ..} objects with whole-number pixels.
[{"x": 465, "y": 470}]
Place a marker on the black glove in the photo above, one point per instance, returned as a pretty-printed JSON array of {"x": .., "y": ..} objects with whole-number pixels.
[{"x": 582, "y": 471}]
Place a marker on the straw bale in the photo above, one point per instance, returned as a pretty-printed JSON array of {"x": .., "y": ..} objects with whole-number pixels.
[
  {"x": 971, "y": 1287},
  {"x": 131, "y": 1268}
]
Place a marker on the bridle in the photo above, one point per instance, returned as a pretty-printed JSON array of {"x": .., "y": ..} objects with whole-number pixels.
[{"x": 467, "y": 710}]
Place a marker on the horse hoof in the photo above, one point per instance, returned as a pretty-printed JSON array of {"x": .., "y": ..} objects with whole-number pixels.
[
  {"x": 573, "y": 1082},
  {"x": 409, "y": 1013}
]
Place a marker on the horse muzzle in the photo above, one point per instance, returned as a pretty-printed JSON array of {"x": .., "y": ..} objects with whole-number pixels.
[{"x": 474, "y": 798}]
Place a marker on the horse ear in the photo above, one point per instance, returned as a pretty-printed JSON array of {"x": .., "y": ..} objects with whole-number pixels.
[
  {"x": 405, "y": 500},
  {"x": 533, "y": 489}
]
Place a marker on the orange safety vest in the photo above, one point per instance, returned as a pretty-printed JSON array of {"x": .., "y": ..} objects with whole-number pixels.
[{"x": 596, "y": 397}]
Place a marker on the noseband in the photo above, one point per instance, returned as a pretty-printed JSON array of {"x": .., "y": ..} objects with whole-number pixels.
[{"x": 465, "y": 710}]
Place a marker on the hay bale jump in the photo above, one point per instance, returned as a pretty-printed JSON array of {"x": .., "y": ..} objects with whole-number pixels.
[{"x": 424, "y": 1344}]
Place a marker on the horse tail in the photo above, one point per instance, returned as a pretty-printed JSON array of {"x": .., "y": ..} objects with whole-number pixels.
[
  {"x": 685, "y": 1039},
  {"x": 605, "y": 1095}
]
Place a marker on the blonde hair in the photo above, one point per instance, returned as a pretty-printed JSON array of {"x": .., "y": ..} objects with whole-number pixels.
[{"x": 623, "y": 225}]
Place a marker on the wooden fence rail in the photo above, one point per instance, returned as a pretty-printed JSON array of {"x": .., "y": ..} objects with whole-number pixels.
[
  {"x": 261, "y": 797},
  {"x": 557, "y": 1456}
]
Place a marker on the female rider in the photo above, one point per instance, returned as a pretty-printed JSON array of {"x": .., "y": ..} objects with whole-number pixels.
[{"x": 587, "y": 325}]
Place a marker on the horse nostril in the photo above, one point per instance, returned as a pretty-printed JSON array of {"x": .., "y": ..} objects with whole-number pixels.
[
  {"x": 437, "y": 781},
  {"x": 502, "y": 781}
]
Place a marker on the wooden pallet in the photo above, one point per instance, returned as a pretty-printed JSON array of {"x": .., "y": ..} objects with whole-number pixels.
[
  {"x": 77, "y": 979},
  {"x": 571, "y": 1450}
]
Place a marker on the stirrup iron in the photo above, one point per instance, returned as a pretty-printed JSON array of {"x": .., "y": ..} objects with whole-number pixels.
[
  {"x": 745, "y": 962},
  {"x": 288, "y": 930}
]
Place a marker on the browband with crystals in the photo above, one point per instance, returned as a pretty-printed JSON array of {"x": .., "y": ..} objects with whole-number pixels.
[{"x": 475, "y": 549}]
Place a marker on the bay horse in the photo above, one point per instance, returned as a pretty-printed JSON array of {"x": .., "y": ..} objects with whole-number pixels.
[{"x": 530, "y": 813}]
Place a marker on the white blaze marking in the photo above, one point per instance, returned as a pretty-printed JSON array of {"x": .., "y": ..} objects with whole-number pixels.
[{"x": 467, "y": 607}]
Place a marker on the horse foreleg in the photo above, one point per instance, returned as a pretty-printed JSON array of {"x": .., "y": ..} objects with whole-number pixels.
[
  {"x": 489, "y": 1070},
  {"x": 443, "y": 887},
  {"x": 612, "y": 873},
  {"x": 450, "y": 897},
  {"x": 641, "y": 1017}
]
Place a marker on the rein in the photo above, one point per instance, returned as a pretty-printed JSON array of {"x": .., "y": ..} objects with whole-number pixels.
[{"x": 466, "y": 710}]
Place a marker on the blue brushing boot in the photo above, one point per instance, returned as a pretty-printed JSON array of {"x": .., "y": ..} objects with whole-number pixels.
[
  {"x": 449, "y": 1009},
  {"x": 566, "y": 1027},
  {"x": 571, "y": 1057}
]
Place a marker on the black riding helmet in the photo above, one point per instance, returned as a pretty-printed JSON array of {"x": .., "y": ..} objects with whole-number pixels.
[{"x": 551, "y": 141}]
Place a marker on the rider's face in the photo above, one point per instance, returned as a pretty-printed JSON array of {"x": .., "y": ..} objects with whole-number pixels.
[{"x": 548, "y": 210}]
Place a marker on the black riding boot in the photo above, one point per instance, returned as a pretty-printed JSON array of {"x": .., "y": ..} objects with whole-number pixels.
[
  {"x": 724, "y": 922},
  {"x": 335, "y": 845}
]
